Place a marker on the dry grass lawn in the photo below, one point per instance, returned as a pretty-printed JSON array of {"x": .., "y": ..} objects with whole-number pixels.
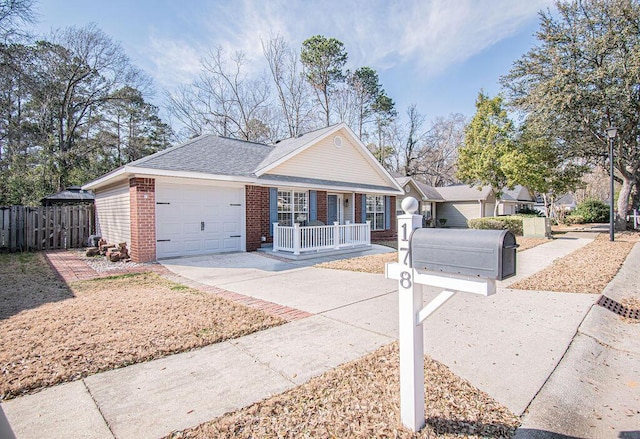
[
  {"x": 375, "y": 263},
  {"x": 586, "y": 270},
  {"x": 52, "y": 333},
  {"x": 361, "y": 399}
]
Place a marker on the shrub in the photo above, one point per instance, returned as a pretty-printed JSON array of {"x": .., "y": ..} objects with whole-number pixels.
[
  {"x": 574, "y": 219},
  {"x": 512, "y": 223},
  {"x": 592, "y": 211},
  {"x": 526, "y": 212}
]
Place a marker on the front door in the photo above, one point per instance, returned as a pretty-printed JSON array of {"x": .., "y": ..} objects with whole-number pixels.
[{"x": 334, "y": 209}]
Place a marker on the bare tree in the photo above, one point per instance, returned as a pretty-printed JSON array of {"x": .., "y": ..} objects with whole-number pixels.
[
  {"x": 14, "y": 14},
  {"x": 413, "y": 151},
  {"x": 224, "y": 100},
  {"x": 441, "y": 150},
  {"x": 294, "y": 93},
  {"x": 78, "y": 71}
]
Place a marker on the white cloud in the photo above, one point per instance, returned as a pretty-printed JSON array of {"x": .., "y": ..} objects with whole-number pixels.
[
  {"x": 173, "y": 61},
  {"x": 430, "y": 35}
]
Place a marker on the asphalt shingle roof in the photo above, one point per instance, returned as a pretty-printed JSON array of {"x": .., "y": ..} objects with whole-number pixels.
[
  {"x": 462, "y": 192},
  {"x": 209, "y": 154}
]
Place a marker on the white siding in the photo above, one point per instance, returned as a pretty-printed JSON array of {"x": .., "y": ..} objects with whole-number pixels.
[
  {"x": 325, "y": 161},
  {"x": 489, "y": 209},
  {"x": 113, "y": 214},
  {"x": 457, "y": 214}
]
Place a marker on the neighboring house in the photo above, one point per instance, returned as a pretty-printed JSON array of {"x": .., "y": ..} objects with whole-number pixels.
[
  {"x": 214, "y": 194},
  {"x": 427, "y": 196},
  {"x": 565, "y": 203},
  {"x": 73, "y": 195},
  {"x": 462, "y": 203}
]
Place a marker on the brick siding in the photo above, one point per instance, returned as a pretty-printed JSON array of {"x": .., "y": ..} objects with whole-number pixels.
[
  {"x": 257, "y": 221},
  {"x": 142, "y": 198},
  {"x": 322, "y": 207}
]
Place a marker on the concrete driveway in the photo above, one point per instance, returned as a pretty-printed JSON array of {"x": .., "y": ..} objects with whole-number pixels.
[{"x": 507, "y": 344}]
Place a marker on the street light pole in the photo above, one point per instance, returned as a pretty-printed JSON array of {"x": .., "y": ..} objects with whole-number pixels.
[{"x": 611, "y": 134}]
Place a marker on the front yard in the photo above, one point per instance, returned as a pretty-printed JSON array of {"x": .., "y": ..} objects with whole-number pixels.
[{"x": 52, "y": 332}]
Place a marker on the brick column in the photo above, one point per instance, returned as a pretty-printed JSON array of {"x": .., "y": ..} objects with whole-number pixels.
[
  {"x": 322, "y": 207},
  {"x": 257, "y": 221},
  {"x": 142, "y": 199},
  {"x": 358, "y": 208}
]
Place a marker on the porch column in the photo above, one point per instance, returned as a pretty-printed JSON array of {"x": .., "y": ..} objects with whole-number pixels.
[
  {"x": 276, "y": 237},
  {"x": 296, "y": 239}
]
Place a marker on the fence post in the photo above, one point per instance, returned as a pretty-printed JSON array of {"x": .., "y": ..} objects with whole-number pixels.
[
  {"x": 296, "y": 239},
  {"x": 336, "y": 235},
  {"x": 368, "y": 233}
]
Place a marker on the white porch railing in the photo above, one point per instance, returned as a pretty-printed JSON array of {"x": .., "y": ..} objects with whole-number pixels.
[{"x": 299, "y": 239}]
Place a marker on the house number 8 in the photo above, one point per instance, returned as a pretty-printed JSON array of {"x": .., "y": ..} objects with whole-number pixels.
[{"x": 405, "y": 279}]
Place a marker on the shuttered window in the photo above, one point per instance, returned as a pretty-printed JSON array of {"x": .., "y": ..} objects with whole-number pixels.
[
  {"x": 292, "y": 207},
  {"x": 375, "y": 211}
]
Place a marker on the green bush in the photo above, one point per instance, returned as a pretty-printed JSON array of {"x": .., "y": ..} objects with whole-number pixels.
[
  {"x": 574, "y": 219},
  {"x": 530, "y": 213},
  {"x": 593, "y": 211},
  {"x": 512, "y": 223}
]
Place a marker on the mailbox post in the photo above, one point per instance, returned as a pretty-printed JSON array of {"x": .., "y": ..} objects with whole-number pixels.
[
  {"x": 454, "y": 260},
  {"x": 410, "y": 330}
]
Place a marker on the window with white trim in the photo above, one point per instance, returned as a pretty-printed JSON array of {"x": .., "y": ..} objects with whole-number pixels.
[
  {"x": 375, "y": 211},
  {"x": 293, "y": 207}
]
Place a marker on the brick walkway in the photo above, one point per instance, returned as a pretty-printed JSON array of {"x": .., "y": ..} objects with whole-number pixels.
[{"x": 72, "y": 269}]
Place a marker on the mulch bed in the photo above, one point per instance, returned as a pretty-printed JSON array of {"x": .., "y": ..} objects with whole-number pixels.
[
  {"x": 361, "y": 399},
  {"x": 586, "y": 270}
]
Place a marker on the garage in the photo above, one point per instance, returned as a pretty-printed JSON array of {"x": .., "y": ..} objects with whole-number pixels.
[
  {"x": 457, "y": 214},
  {"x": 196, "y": 219}
]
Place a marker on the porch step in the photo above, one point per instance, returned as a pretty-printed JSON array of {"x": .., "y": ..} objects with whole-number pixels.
[{"x": 268, "y": 249}]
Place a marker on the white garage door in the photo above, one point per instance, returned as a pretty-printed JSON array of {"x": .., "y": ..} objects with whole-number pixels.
[{"x": 193, "y": 219}]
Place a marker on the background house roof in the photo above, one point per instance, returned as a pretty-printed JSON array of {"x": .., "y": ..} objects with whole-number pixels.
[
  {"x": 430, "y": 192},
  {"x": 473, "y": 193},
  {"x": 463, "y": 192}
]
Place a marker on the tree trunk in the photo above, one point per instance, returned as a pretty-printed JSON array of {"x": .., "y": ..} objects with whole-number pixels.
[{"x": 623, "y": 203}]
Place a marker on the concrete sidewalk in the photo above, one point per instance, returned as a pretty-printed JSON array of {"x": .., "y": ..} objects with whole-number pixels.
[
  {"x": 595, "y": 390},
  {"x": 507, "y": 345}
]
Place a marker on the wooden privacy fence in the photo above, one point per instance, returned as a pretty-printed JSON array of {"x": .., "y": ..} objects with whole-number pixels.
[{"x": 25, "y": 228}]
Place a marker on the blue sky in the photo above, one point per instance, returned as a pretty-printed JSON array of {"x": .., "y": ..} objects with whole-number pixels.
[{"x": 435, "y": 53}]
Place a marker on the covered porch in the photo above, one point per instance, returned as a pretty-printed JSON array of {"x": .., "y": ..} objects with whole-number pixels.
[{"x": 298, "y": 239}]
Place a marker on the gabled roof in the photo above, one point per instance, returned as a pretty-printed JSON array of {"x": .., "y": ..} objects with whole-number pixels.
[
  {"x": 463, "y": 192},
  {"x": 429, "y": 193},
  {"x": 221, "y": 158},
  {"x": 287, "y": 147},
  {"x": 518, "y": 193}
]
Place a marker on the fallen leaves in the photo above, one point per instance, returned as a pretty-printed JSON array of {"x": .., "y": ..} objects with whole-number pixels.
[
  {"x": 107, "y": 323},
  {"x": 362, "y": 399},
  {"x": 586, "y": 270}
]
